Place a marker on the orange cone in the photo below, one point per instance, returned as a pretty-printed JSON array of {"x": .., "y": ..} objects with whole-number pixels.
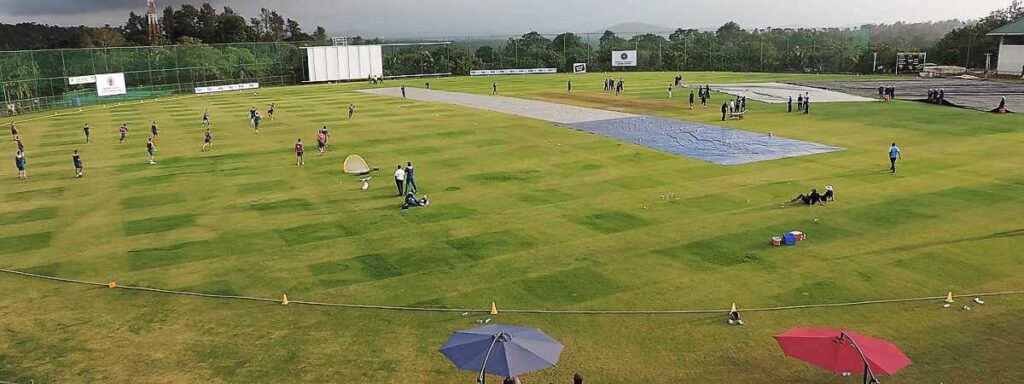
[
  {"x": 112, "y": 284},
  {"x": 494, "y": 308}
]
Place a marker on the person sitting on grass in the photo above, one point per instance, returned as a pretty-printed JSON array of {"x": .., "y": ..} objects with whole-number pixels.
[
  {"x": 411, "y": 201},
  {"x": 734, "y": 318},
  {"x": 810, "y": 199},
  {"x": 829, "y": 195}
]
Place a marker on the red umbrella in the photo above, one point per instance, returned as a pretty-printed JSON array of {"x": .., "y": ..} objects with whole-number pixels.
[{"x": 840, "y": 350}]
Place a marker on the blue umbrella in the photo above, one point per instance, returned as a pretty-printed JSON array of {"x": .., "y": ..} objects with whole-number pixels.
[{"x": 502, "y": 350}]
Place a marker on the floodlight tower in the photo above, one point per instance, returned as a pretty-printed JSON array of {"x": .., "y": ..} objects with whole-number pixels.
[{"x": 153, "y": 20}]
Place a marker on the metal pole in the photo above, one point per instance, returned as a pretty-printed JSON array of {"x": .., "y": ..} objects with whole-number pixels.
[
  {"x": 686, "y": 39},
  {"x": 867, "y": 368},
  {"x": 874, "y": 63},
  {"x": 482, "y": 378}
]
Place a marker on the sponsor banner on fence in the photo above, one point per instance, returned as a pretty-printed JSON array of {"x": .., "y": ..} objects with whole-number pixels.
[
  {"x": 110, "y": 84},
  {"x": 579, "y": 68},
  {"x": 526, "y": 71},
  {"x": 623, "y": 58},
  {"x": 82, "y": 80},
  {"x": 226, "y": 88}
]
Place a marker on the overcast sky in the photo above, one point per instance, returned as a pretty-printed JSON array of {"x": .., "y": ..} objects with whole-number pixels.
[{"x": 478, "y": 17}]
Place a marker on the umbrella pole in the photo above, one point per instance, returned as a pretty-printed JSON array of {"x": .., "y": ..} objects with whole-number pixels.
[
  {"x": 482, "y": 378},
  {"x": 867, "y": 367}
]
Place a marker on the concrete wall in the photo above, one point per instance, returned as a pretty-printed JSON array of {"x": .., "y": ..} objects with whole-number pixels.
[{"x": 1011, "y": 59}]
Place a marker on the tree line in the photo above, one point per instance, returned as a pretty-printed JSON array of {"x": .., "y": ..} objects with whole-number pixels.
[{"x": 188, "y": 50}]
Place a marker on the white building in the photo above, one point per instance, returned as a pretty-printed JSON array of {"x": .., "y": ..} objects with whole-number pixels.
[{"x": 1011, "y": 48}]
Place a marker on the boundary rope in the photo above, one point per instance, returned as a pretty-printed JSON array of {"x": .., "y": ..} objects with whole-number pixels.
[{"x": 520, "y": 311}]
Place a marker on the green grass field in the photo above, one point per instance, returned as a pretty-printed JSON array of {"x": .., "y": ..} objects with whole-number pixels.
[{"x": 524, "y": 213}]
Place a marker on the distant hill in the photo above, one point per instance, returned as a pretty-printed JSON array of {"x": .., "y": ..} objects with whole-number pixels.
[{"x": 636, "y": 27}]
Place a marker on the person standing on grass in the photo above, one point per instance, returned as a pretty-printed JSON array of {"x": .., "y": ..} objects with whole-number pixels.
[
  {"x": 807, "y": 104},
  {"x": 400, "y": 180},
  {"x": 256, "y": 122},
  {"x": 403, "y": 91},
  {"x": 154, "y": 130},
  {"x": 270, "y": 110},
  {"x": 85, "y": 130},
  {"x": 410, "y": 179},
  {"x": 703, "y": 98},
  {"x": 20, "y": 143},
  {"x": 894, "y": 154},
  {"x": 351, "y": 111},
  {"x": 299, "y": 151},
  {"x": 494, "y": 88},
  {"x": 426, "y": 85},
  {"x": 321, "y": 142},
  {"x": 14, "y": 130},
  {"x": 76, "y": 159},
  {"x": 789, "y": 105},
  {"x": 252, "y": 116},
  {"x": 123, "y": 132},
  {"x": 206, "y": 118},
  {"x": 670, "y": 91},
  {"x": 800, "y": 102},
  {"x": 151, "y": 149},
  {"x": 725, "y": 109},
  {"x": 207, "y": 140},
  {"x": 327, "y": 136},
  {"x": 19, "y": 162},
  {"x": 568, "y": 87},
  {"x": 691, "y": 98}
]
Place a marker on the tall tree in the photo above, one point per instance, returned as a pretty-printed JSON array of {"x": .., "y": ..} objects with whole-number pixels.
[
  {"x": 136, "y": 30},
  {"x": 295, "y": 31},
  {"x": 320, "y": 35},
  {"x": 206, "y": 24},
  {"x": 167, "y": 26},
  {"x": 231, "y": 27}
]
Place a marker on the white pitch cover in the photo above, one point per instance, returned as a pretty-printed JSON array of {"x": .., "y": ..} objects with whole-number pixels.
[
  {"x": 110, "y": 84},
  {"x": 623, "y": 58}
]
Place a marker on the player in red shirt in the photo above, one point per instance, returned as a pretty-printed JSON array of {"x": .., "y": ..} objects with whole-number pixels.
[
  {"x": 321, "y": 143},
  {"x": 207, "y": 140},
  {"x": 299, "y": 151}
]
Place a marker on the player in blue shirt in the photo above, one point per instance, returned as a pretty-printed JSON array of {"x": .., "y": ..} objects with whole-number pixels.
[
  {"x": 19, "y": 161},
  {"x": 894, "y": 154},
  {"x": 256, "y": 122}
]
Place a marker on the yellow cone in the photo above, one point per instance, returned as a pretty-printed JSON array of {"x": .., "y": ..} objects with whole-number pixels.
[
  {"x": 733, "y": 308},
  {"x": 112, "y": 285},
  {"x": 494, "y": 308},
  {"x": 284, "y": 299},
  {"x": 949, "y": 297}
]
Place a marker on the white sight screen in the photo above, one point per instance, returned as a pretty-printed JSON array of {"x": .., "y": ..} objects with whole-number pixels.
[{"x": 350, "y": 62}]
